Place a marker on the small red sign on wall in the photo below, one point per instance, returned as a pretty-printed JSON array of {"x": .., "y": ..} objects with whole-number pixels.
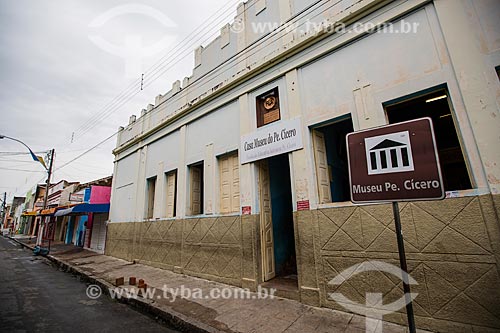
[
  {"x": 303, "y": 205},
  {"x": 246, "y": 210}
]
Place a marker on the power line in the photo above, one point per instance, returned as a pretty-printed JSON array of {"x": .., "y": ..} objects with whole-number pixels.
[
  {"x": 67, "y": 163},
  {"x": 255, "y": 44},
  {"x": 110, "y": 105},
  {"x": 158, "y": 68},
  {"x": 188, "y": 38},
  {"x": 203, "y": 76},
  {"x": 106, "y": 113},
  {"x": 230, "y": 6},
  {"x": 258, "y": 42},
  {"x": 13, "y": 153},
  {"x": 87, "y": 151},
  {"x": 12, "y": 169},
  {"x": 2, "y": 159},
  {"x": 107, "y": 110}
]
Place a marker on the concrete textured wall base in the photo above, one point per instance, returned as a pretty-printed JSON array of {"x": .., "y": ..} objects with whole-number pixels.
[
  {"x": 209, "y": 248},
  {"x": 452, "y": 251}
]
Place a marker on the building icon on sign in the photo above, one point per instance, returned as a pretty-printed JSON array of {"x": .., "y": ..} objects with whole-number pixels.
[{"x": 389, "y": 153}]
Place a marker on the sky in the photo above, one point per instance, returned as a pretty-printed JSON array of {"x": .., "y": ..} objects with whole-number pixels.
[{"x": 71, "y": 72}]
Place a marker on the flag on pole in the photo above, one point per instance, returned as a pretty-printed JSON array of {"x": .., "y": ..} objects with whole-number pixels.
[{"x": 38, "y": 159}]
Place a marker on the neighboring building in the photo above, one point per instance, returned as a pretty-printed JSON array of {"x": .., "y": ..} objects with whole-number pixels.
[
  {"x": 16, "y": 208},
  {"x": 28, "y": 211},
  {"x": 33, "y": 206},
  {"x": 195, "y": 190},
  {"x": 6, "y": 217},
  {"x": 88, "y": 214},
  {"x": 53, "y": 228},
  {"x": 96, "y": 230}
]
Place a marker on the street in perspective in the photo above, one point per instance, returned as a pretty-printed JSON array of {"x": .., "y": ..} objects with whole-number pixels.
[
  {"x": 36, "y": 296},
  {"x": 262, "y": 166}
]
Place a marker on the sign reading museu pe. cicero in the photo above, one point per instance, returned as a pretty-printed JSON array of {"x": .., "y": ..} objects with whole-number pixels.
[{"x": 397, "y": 162}]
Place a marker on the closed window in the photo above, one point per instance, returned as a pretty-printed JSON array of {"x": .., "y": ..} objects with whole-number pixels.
[
  {"x": 436, "y": 105},
  {"x": 171, "y": 197},
  {"x": 229, "y": 189},
  {"x": 150, "y": 197},
  {"x": 196, "y": 188}
]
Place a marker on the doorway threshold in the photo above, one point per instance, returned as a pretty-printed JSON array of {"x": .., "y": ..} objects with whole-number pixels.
[{"x": 286, "y": 286}]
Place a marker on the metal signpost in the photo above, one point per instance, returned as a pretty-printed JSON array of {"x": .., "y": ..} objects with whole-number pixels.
[{"x": 394, "y": 163}]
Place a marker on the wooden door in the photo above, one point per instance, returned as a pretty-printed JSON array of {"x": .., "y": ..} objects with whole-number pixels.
[
  {"x": 195, "y": 190},
  {"x": 229, "y": 184},
  {"x": 171, "y": 183},
  {"x": 322, "y": 172},
  {"x": 266, "y": 223}
]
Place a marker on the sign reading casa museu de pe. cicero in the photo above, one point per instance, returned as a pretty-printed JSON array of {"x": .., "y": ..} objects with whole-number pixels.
[
  {"x": 397, "y": 162},
  {"x": 277, "y": 138}
]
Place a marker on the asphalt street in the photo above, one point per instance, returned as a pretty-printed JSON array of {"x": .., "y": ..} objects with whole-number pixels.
[{"x": 37, "y": 297}]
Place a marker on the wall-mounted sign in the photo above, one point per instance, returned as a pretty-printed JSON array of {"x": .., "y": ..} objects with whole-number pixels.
[
  {"x": 57, "y": 187},
  {"x": 246, "y": 210},
  {"x": 280, "y": 137},
  {"x": 303, "y": 205},
  {"x": 268, "y": 107},
  {"x": 397, "y": 162},
  {"x": 76, "y": 197}
]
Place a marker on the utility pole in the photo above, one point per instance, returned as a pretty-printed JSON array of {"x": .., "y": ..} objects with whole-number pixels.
[
  {"x": 46, "y": 196},
  {"x": 3, "y": 207},
  {"x": 49, "y": 171}
]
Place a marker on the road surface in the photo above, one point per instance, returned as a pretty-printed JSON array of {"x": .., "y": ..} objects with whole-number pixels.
[{"x": 36, "y": 297}]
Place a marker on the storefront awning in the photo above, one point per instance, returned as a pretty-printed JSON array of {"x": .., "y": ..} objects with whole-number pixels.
[
  {"x": 63, "y": 212},
  {"x": 49, "y": 211},
  {"x": 33, "y": 213},
  {"x": 84, "y": 209}
]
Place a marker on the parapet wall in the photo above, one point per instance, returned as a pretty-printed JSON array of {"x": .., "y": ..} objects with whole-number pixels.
[{"x": 262, "y": 32}]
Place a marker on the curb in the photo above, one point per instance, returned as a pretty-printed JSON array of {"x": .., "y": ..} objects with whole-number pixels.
[
  {"x": 171, "y": 317},
  {"x": 20, "y": 243}
]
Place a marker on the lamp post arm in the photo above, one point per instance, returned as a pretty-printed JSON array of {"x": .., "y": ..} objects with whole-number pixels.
[{"x": 31, "y": 152}]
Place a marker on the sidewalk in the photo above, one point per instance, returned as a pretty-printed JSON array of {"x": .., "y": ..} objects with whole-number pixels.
[{"x": 208, "y": 314}]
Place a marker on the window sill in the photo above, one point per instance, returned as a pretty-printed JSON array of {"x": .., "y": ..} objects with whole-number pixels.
[
  {"x": 467, "y": 193},
  {"x": 159, "y": 219},
  {"x": 212, "y": 215}
]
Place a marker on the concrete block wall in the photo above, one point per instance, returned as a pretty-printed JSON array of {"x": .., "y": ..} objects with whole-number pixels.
[
  {"x": 452, "y": 252},
  {"x": 451, "y": 245},
  {"x": 205, "y": 247}
]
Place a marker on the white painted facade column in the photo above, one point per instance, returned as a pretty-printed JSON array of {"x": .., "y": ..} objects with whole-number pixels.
[
  {"x": 248, "y": 180},
  {"x": 182, "y": 196},
  {"x": 477, "y": 80},
  {"x": 302, "y": 171}
]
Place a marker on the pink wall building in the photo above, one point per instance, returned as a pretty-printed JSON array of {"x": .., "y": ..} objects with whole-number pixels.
[{"x": 100, "y": 195}]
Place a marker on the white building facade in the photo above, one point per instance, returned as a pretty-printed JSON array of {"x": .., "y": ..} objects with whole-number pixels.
[{"x": 239, "y": 174}]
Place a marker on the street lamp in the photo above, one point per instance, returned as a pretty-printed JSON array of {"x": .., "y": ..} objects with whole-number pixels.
[
  {"x": 38, "y": 159},
  {"x": 35, "y": 158}
]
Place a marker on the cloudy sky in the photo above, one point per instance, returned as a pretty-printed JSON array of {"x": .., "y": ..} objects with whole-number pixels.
[{"x": 64, "y": 64}]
